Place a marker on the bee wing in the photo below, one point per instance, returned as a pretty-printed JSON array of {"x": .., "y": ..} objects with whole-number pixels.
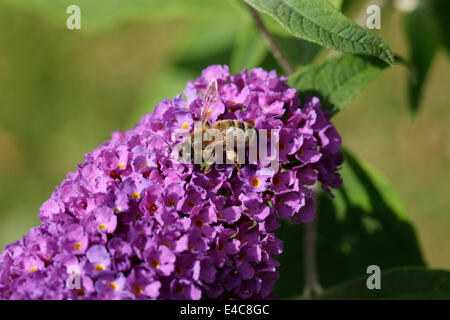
[{"x": 209, "y": 97}]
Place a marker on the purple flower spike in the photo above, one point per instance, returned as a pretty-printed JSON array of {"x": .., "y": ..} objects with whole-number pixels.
[{"x": 133, "y": 223}]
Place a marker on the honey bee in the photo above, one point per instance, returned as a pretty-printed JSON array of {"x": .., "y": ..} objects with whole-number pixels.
[{"x": 214, "y": 137}]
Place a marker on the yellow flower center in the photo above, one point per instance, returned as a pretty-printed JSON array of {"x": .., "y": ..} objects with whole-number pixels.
[
  {"x": 113, "y": 285},
  {"x": 199, "y": 223},
  {"x": 154, "y": 263},
  {"x": 121, "y": 165},
  {"x": 276, "y": 181},
  {"x": 116, "y": 209},
  {"x": 33, "y": 269},
  {"x": 191, "y": 203},
  {"x": 300, "y": 152},
  {"x": 255, "y": 182},
  {"x": 137, "y": 289},
  {"x": 282, "y": 146},
  {"x": 219, "y": 215},
  {"x": 77, "y": 246},
  {"x": 166, "y": 244},
  {"x": 171, "y": 203},
  {"x": 179, "y": 289},
  {"x": 102, "y": 227},
  {"x": 179, "y": 270},
  {"x": 144, "y": 165},
  {"x": 135, "y": 195},
  {"x": 247, "y": 211},
  {"x": 99, "y": 267},
  {"x": 152, "y": 207},
  {"x": 185, "y": 126},
  {"x": 80, "y": 292},
  {"x": 279, "y": 200}
]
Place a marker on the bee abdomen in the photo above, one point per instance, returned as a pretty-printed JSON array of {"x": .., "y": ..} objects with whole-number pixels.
[
  {"x": 225, "y": 124},
  {"x": 239, "y": 124}
]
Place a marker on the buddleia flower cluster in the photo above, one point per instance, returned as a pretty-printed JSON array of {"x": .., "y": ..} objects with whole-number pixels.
[{"x": 133, "y": 223}]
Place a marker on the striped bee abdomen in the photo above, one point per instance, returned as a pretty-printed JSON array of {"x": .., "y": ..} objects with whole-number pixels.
[{"x": 223, "y": 125}]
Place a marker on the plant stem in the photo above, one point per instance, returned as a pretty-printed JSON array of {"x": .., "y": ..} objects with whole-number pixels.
[
  {"x": 278, "y": 54},
  {"x": 312, "y": 286}
]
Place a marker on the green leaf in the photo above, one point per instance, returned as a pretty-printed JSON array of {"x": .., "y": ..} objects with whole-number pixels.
[
  {"x": 422, "y": 33},
  {"x": 441, "y": 10},
  {"x": 100, "y": 14},
  {"x": 318, "y": 21},
  {"x": 249, "y": 49},
  {"x": 336, "y": 80},
  {"x": 299, "y": 51},
  {"x": 364, "y": 224},
  {"x": 337, "y": 4},
  {"x": 399, "y": 283}
]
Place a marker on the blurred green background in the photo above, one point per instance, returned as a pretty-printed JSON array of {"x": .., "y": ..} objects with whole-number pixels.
[{"x": 63, "y": 91}]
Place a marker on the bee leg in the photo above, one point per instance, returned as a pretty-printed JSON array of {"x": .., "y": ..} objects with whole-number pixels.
[
  {"x": 238, "y": 167},
  {"x": 207, "y": 169},
  {"x": 231, "y": 154}
]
